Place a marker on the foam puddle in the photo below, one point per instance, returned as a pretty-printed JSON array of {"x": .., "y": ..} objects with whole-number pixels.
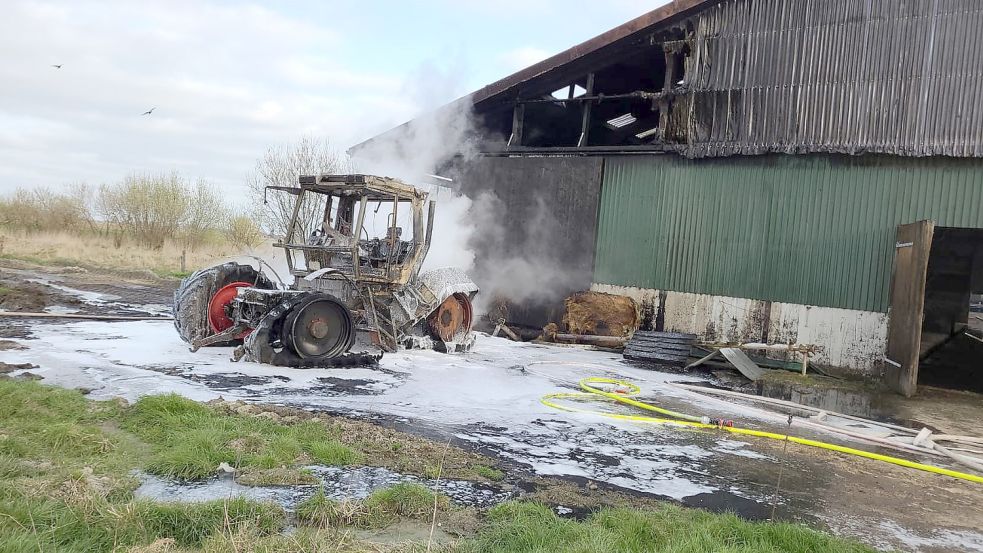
[{"x": 338, "y": 482}]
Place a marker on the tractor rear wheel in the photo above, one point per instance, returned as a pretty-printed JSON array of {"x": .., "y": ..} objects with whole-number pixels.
[
  {"x": 201, "y": 302},
  {"x": 318, "y": 327}
]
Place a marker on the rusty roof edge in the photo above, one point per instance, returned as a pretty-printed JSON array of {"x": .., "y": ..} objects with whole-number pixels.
[{"x": 623, "y": 31}]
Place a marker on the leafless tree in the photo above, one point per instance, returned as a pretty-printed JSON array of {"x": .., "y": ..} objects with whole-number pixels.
[{"x": 281, "y": 166}]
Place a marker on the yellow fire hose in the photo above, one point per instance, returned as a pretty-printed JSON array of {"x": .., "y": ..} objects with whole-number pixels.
[{"x": 626, "y": 389}]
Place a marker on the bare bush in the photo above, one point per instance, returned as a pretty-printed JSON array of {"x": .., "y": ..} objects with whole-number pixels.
[
  {"x": 281, "y": 166},
  {"x": 150, "y": 207},
  {"x": 206, "y": 212},
  {"x": 242, "y": 232},
  {"x": 43, "y": 209},
  {"x": 156, "y": 208}
]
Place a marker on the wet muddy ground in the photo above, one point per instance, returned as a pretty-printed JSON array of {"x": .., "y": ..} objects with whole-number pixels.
[
  {"x": 488, "y": 402},
  {"x": 338, "y": 483}
]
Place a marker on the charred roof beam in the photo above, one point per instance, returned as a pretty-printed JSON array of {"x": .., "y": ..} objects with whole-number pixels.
[
  {"x": 600, "y": 97},
  {"x": 585, "y": 115}
]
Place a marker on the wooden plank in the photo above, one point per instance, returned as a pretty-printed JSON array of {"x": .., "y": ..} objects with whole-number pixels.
[
  {"x": 82, "y": 316},
  {"x": 912, "y": 248}
]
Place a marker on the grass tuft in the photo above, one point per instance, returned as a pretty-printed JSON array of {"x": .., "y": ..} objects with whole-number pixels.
[
  {"x": 190, "y": 524},
  {"x": 382, "y": 508},
  {"x": 490, "y": 473},
  {"x": 320, "y": 511},
  {"x": 335, "y": 453},
  {"x": 405, "y": 500}
]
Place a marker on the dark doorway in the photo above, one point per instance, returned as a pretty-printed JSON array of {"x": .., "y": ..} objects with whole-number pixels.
[{"x": 951, "y": 348}]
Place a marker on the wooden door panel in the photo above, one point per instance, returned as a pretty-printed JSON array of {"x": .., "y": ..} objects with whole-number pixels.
[{"x": 912, "y": 249}]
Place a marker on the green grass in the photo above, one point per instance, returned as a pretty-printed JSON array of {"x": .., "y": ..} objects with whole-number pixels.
[
  {"x": 406, "y": 500},
  {"x": 383, "y": 507},
  {"x": 191, "y": 439},
  {"x": 534, "y": 527},
  {"x": 165, "y": 273},
  {"x": 490, "y": 473},
  {"x": 66, "y": 485},
  {"x": 335, "y": 453},
  {"x": 191, "y": 524}
]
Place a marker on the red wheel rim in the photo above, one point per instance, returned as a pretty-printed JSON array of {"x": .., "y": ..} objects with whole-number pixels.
[
  {"x": 452, "y": 318},
  {"x": 218, "y": 320}
]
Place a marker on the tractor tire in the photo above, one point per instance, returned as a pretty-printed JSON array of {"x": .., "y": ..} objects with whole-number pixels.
[{"x": 193, "y": 296}]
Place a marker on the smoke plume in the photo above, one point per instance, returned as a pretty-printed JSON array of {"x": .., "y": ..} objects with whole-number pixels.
[{"x": 516, "y": 263}]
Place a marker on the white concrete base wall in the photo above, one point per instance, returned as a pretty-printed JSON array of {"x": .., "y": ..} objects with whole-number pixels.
[{"x": 850, "y": 340}]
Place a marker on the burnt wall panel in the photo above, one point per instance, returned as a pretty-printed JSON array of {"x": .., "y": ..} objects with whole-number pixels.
[
  {"x": 841, "y": 76},
  {"x": 535, "y": 224}
]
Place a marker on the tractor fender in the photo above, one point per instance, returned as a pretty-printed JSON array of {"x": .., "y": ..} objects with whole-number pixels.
[{"x": 447, "y": 281}]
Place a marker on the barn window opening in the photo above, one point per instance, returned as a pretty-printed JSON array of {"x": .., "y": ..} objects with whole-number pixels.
[{"x": 569, "y": 91}]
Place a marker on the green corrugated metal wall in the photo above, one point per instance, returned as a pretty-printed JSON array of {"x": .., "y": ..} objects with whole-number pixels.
[{"x": 814, "y": 230}]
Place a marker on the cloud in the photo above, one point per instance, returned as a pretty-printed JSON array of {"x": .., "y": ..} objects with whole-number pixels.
[{"x": 227, "y": 82}]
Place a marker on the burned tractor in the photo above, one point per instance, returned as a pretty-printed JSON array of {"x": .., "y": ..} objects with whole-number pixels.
[{"x": 348, "y": 287}]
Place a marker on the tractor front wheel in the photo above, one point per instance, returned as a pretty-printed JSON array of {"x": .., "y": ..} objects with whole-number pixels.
[{"x": 202, "y": 301}]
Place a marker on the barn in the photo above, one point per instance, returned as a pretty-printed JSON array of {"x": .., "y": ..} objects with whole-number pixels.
[{"x": 751, "y": 170}]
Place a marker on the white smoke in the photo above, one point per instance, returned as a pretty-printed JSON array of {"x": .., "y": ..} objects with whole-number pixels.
[
  {"x": 412, "y": 153},
  {"x": 518, "y": 264}
]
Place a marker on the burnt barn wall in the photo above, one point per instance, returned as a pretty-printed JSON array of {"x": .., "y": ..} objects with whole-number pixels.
[
  {"x": 902, "y": 77},
  {"x": 536, "y": 222}
]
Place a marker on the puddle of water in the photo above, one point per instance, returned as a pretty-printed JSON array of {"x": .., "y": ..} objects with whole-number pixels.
[
  {"x": 338, "y": 482},
  {"x": 60, "y": 309},
  {"x": 151, "y": 308},
  {"x": 93, "y": 298},
  {"x": 100, "y": 299}
]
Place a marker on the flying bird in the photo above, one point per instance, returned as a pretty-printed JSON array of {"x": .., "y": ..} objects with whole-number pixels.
[
  {"x": 149, "y": 111},
  {"x": 58, "y": 66}
]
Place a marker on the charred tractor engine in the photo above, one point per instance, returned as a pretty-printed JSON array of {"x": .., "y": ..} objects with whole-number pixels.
[{"x": 348, "y": 287}]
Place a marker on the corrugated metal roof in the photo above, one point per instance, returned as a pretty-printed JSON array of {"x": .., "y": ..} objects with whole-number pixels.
[
  {"x": 813, "y": 230},
  {"x": 794, "y": 76}
]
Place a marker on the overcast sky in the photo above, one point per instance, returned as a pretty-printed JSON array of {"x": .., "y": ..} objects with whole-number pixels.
[{"x": 229, "y": 79}]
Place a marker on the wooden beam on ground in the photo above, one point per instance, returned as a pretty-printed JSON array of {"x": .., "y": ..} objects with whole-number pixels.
[{"x": 45, "y": 315}]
